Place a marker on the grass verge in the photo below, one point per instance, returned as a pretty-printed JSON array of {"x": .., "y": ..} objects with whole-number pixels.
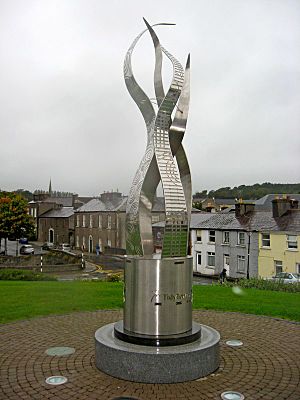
[{"x": 24, "y": 300}]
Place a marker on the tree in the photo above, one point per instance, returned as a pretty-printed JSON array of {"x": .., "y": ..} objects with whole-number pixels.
[{"x": 14, "y": 218}]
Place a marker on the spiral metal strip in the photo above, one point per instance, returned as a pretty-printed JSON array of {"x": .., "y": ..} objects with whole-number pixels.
[{"x": 164, "y": 138}]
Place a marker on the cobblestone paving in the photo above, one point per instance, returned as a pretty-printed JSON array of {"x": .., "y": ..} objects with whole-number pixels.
[{"x": 266, "y": 367}]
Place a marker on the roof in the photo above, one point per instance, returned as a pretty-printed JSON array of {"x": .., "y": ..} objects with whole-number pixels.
[
  {"x": 252, "y": 221},
  {"x": 265, "y": 202},
  {"x": 118, "y": 204},
  {"x": 63, "y": 212},
  {"x": 96, "y": 205}
]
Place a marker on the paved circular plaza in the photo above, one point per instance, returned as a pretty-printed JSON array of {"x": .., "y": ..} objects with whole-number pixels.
[{"x": 267, "y": 366}]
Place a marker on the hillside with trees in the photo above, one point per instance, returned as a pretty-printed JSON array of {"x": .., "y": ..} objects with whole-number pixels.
[{"x": 252, "y": 192}]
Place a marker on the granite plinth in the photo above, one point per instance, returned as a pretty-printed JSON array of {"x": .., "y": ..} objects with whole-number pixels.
[{"x": 150, "y": 364}]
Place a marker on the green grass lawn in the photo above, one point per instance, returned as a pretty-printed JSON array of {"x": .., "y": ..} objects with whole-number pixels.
[{"x": 23, "y": 299}]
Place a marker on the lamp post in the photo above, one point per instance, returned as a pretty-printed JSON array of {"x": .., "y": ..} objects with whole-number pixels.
[{"x": 248, "y": 253}]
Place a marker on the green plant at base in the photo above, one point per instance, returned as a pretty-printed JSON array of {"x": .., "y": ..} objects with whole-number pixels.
[
  {"x": 263, "y": 284},
  {"x": 12, "y": 274},
  {"x": 113, "y": 278}
]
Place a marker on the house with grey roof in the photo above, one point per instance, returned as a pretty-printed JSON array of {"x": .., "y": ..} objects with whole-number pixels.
[
  {"x": 57, "y": 226},
  {"x": 101, "y": 221},
  {"x": 235, "y": 240}
]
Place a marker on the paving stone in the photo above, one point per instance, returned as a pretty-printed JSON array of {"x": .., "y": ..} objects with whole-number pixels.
[{"x": 266, "y": 367}]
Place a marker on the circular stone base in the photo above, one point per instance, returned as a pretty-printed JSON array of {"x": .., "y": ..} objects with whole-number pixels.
[{"x": 150, "y": 364}]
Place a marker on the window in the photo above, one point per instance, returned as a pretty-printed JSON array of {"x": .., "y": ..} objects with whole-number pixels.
[
  {"x": 77, "y": 222},
  {"x": 226, "y": 260},
  {"x": 77, "y": 241},
  {"x": 241, "y": 238},
  {"x": 90, "y": 244},
  {"x": 292, "y": 241},
  {"x": 210, "y": 259},
  {"x": 265, "y": 239},
  {"x": 91, "y": 221},
  {"x": 212, "y": 236},
  {"x": 100, "y": 221},
  {"x": 100, "y": 244},
  {"x": 198, "y": 234},
  {"x": 109, "y": 222},
  {"x": 108, "y": 243},
  {"x": 155, "y": 219},
  {"x": 34, "y": 212},
  {"x": 83, "y": 242},
  {"x": 241, "y": 263},
  {"x": 225, "y": 237},
  {"x": 277, "y": 266},
  {"x": 199, "y": 258},
  {"x": 51, "y": 235},
  {"x": 83, "y": 221}
]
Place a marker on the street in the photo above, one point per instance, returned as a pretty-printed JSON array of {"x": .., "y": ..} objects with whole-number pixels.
[{"x": 13, "y": 245}]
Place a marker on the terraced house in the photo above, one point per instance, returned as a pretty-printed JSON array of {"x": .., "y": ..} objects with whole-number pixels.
[
  {"x": 102, "y": 221},
  {"x": 246, "y": 242},
  {"x": 279, "y": 244}
]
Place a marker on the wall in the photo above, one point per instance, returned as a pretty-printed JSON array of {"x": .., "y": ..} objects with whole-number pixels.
[
  {"x": 233, "y": 249},
  {"x": 204, "y": 246},
  {"x": 115, "y": 234},
  {"x": 60, "y": 227}
]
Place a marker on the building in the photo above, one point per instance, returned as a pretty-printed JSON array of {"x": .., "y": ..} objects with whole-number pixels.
[
  {"x": 57, "y": 226},
  {"x": 279, "y": 244},
  {"x": 102, "y": 221},
  {"x": 62, "y": 206},
  {"x": 247, "y": 242},
  {"x": 224, "y": 240}
]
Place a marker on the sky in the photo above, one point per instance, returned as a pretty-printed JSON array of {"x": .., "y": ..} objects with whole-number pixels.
[{"x": 66, "y": 114}]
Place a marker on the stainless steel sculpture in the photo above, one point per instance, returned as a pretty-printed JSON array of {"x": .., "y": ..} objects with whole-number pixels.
[
  {"x": 164, "y": 158},
  {"x": 157, "y": 341},
  {"x": 158, "y": 292}
]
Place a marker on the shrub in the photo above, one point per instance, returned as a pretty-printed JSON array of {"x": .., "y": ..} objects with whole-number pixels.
[
  {"x": 113, "y": 278},
  {"x": 259, "y": 283},
  {"x": 9, "y": 274}
]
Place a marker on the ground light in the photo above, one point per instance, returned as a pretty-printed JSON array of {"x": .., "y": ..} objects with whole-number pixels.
[
  {"x": 234, "y": 343},
  {"x": 232, "y": 396},
  {"x": 60, "y": 351},
  {"x": 56, "y": 380}
]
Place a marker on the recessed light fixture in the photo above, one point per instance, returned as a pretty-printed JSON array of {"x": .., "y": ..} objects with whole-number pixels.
[
  {"x": 232, "y": 396},
  {"x": 234, "y": 343},
  {"x": 56, "y": 380}
]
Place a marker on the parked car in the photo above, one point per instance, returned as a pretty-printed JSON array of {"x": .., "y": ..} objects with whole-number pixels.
[
  {"x": 23, "y": 240},
  {"x": 66, "y": 247},
  {"x": 26, "y": 249},
  {"x": 47, "y": 246},
  {"x": 287, "y": 277}
]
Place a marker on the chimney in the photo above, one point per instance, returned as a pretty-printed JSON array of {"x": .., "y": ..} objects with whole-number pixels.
[
  {"x": 242, "y": 208},
  {"x": 281, "y": 206}
]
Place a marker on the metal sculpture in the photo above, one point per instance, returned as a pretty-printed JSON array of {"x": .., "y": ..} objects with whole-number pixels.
[
  {"x": 157, "y": 341},
  {"x": 164, "y": 158}
]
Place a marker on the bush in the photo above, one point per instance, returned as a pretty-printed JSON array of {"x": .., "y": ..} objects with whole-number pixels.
[
  {"x": 9, "y": 274},
  {"x": 113, "y": 278},
  {"x": 259, "y": 283}
]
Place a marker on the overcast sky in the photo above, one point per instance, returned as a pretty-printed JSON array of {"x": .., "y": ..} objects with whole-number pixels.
[{"x": 66, "y": 114}]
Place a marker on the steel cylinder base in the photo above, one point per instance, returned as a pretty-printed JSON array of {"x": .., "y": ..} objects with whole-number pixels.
[
  {"x": 152, "y": 364},
  {"x": 158, "y": 341}
]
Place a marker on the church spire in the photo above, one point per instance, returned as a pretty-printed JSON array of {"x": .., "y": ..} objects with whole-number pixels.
[{"x": 50, "y": 188}]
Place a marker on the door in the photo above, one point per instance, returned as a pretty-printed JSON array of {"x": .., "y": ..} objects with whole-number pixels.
[
  {"x": 51, "y": 235},
  {"x": 226, "y": 264},
  {"x": 90, "y": 244}
]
